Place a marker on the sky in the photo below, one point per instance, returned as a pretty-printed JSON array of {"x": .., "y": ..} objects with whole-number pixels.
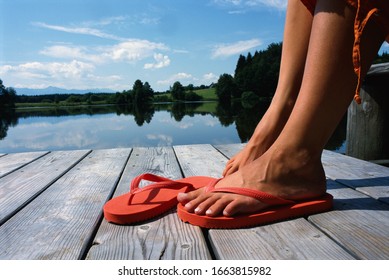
[{"x": 89, "y": 44}]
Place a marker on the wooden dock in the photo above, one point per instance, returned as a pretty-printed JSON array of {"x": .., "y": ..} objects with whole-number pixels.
[{"x": 51, "y": 208}]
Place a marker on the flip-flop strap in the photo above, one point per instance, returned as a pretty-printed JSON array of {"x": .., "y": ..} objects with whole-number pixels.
[
  {"x": 148, "y": 177},
  {"x": 159, "y": 182},
  {"x": 259, "y": 195}
]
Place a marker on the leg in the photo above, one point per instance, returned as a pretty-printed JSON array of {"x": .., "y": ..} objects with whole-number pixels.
[
  {"x": 291, "y": 168},
  {"x": 294, "y": 51}
]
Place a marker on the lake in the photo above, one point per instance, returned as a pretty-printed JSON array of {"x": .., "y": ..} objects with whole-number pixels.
[{"x": 100, "y": 127}]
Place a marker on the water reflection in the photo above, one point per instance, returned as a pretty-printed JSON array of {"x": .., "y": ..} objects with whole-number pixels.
[{"x": 94, "y": 127}]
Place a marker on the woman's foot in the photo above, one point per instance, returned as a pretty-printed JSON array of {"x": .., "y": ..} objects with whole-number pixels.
[
  {"x": 282, "y": 173},
  {"x": 264, "y": 136}
]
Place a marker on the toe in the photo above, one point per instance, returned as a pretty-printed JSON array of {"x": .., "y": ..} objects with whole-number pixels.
[
  {"x": 242, "y": 205},
  {"x": 204, "y": 206},
  {"x": 189, "y": 196},
  {"x": 219, "y": 205}
]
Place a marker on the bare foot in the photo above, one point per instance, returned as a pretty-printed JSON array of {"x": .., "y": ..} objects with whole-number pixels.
[
  {"x": 265, "y": 134},
  {"x": 294, "y": 177}
]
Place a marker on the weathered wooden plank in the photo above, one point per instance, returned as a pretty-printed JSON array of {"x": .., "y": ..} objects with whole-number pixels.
[
  {"x": 59, "y": 223},
  {"x": 369, "y": 236},
  {"x": 379, "y": 69},
  {"x": 290, "y": 240},
  {"x": 366, "y": 177},
  {"x": 164, "y": 237},
  {"x": 358, "y": 222},
  {"x": 203, "y": 160},
  {"x": 228, "y": 244},
  {"x": 229, "y": 150},
  {"x": 20, "y": 187},
  {"x": 11, "y": 162}
]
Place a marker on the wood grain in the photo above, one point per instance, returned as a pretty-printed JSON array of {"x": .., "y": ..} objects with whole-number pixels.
[
  {"x": 11, "y": 162},
  {"x": 358, "y": 222},
  {"x": 23, "y": 185},
  {"x": 368, "y": 178},
  {"x": 51, "y": 208},
  {"x": 59, "y": 222},
  {"x": 164, "y": 237},
  {"x": 200, "y": 160},
  {"x": 291, "y": 240}
]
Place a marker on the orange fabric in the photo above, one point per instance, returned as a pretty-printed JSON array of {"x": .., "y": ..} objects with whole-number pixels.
[{"x": 377, "y": 10}]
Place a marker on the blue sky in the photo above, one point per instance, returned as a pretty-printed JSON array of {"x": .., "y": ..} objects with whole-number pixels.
[{"x": 84, "y": 44}]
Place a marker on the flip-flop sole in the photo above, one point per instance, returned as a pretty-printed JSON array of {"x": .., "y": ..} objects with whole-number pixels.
[
  {"x": 149, "y": 203},
  {"x": 267, "y": 216}
]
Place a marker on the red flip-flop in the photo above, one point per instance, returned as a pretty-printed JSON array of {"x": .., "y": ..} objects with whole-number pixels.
[
  {"x": 141, "y": 204},
  {"x": 279, "y": 209}
]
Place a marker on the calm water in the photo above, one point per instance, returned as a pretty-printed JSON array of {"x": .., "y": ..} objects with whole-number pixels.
[{"x": 111, "y": 127}]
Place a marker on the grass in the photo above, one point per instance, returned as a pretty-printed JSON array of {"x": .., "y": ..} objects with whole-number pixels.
[
  {"x": 208, "y": 94},
  {"x": 209, "y": 107}
]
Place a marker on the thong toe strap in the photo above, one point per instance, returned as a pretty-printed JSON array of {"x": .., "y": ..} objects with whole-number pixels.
[
  {"x": 259, "y": 195},
  {"x": 159, "y": 182}
]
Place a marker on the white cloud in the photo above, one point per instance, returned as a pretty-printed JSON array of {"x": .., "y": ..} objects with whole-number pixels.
[
  {"x": 226, "y": 50},
  {"x": 237, "y": 12},
  {"x": 76, "y": 66},
  {"x": 73, "y": 74},
  {"x": 227, "y": 2},
  {"x": 278, "y": 4},
  {"x": 106, "y": 21},
  {"x": 79, "y": 30},
  {"x": 185, "y": 78},
  {"x": 68, "y": 52},
  {"x": 163, "y": 140},
  {"x": 73, "y": 69},
  {"x": 160, "y": 62},
  {"x": 210, "y": 77},
  {"x": 174, "y": 78},
  {"x": 149, "y": 20},
  {"x": 134, "y": 50},
  {"x": 131, "y": 50}
]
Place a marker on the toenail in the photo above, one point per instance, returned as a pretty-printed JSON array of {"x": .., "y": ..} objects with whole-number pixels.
[
  {"x": 208, "y": 212},
  {"x": 188, "y": 205},
  {"x": 197, "y": 210}
]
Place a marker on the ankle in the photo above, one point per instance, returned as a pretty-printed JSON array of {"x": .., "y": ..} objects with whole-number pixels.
[{"x": 303, "y": 165}]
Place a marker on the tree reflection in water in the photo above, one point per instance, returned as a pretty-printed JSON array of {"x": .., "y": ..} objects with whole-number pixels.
[{"x": 245, "y": 117}]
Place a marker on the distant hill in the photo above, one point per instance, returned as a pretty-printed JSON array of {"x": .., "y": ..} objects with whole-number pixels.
[{"x": 54, "y": 90}]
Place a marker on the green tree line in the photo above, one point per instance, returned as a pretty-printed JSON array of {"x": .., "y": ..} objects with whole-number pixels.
[
  {"x": 256, "y": 76},
  {"x": 140, "y": 93}
]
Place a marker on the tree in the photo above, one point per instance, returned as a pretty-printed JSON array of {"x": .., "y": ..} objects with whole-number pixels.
[
  {"x": 137, "y": 90},
  {"x": 74, "y": 99},
  {"x": 142, "y": 93},
  {"x": 178, "y": 91},
  {"x": 7, "y": 96},
  {"x": 2, "y": 87},
  {"x": 249, "y": 99},
  {"x": 258, "y": 73},
  {"x": 147, "y": 93},
  {"x": 225, "y": 88},
  {"x": 190, "y": 87},
  {"x": 381, "y": 58}
]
